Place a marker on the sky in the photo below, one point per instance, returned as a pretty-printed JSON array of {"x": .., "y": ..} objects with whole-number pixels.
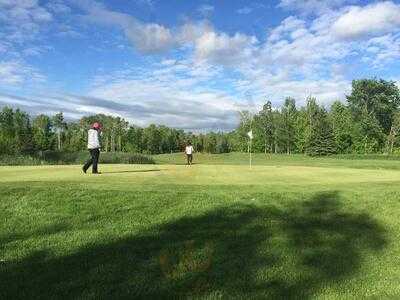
[{"x": 190, "y": 64}]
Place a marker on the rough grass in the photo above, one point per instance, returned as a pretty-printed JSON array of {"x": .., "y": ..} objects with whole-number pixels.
[{"x": 286, "y": 229}]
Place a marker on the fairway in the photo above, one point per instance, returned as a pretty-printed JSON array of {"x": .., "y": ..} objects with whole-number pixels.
[{"x": 286, "y": 228}]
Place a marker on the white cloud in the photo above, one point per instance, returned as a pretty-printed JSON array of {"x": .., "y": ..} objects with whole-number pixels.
[
  {"x": 244, "y": 10},
  {"x": 149, "y": 3},
  {"x": 191, "y": 31},
  {"x": 146, "y": 37},
  {"x": 3, "y": 47},
  {"x": 383, "y": 49},
  {"x": 24, "y": 25},
  {"x": 174, "y": 93},
  {"x": 288, "y": 25},
  {"x": 373, "y": 19},
  {"x": 58, "y": 7},
  {"x": 17, "y": 73},
  {"x": 150, "y": 38},
  {"x": 299, "y": 49},
  {"x": 25, "y": 11},
  {"x": 223, "y": 49},
  {"x": 313, "y": 6},
  {"x": 206, "y": 10},
  {"x": 171, "y": 105},
  {"x": 325, "y": 90},
  {"x": 65, "y": 30}
]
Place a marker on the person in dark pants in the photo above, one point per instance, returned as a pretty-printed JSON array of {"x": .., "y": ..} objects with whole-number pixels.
[
  {"x": 94, "y": 148},
  {"x": 189, "y": 153}
]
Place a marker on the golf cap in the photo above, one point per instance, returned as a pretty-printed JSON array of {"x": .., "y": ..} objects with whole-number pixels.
[{"x": 96, "y": 125}]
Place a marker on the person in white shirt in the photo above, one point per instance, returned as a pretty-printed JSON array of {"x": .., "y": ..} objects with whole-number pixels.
[
  {"x": 189, "y": 153},
  {"x": 94, "y": 148}
]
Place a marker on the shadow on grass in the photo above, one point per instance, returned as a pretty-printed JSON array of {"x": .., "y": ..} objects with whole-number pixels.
[{"x": 240, "y": 251}]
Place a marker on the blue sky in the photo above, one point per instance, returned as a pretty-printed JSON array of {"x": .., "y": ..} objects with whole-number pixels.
[{"x": 189, "y": 64}]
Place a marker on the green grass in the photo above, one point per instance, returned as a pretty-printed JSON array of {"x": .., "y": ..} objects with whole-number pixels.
[
  {"x": 351, "y": 161},
  {"x": 289, "y": 228},
  {"x": 72, "y": 158}
]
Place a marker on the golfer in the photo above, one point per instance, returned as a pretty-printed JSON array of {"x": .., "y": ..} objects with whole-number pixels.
[
  {"x": 94, "y": 148},
  {"x": 189, "y": 153}
]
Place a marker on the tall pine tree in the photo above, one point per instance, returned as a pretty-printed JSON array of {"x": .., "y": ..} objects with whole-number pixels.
[{"x": 321, "y": 140}]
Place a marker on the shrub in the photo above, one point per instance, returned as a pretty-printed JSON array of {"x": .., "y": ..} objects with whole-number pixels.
[
  {"x": 20, "y": 160},
  {"x": 69, "y": 158}
]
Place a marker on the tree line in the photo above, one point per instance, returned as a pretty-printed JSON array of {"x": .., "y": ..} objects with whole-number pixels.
[
  {"x": 367, "y": 122},
  {"x": 21, "y": 134}
]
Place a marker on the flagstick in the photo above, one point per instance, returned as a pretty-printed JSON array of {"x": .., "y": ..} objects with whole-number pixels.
[
  {"x": 251, "y": 138},
  {"x": 251, "y": 141}
]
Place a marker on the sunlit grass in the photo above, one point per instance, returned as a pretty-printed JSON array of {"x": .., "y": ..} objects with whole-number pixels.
[{"x": 283, "y": 229}]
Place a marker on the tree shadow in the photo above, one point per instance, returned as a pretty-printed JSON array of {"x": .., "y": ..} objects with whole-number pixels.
[
  {"x": 329, "y": 241},
  {"x": 239, "y": 251}
]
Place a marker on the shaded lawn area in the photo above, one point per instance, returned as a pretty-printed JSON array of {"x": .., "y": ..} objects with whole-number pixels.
[{"x": 62, "y": 240}]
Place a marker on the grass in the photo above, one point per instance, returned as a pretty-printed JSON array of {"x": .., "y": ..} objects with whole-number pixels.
[
  {"x": 378, "y": 161},
  {"x": 289, "y": 228},
  {"x": 72, "y": 158}
]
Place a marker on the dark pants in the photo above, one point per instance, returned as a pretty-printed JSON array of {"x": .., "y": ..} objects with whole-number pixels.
[
  {"x": 94, "y": 160},
  {"x": 189, "y": 158}
]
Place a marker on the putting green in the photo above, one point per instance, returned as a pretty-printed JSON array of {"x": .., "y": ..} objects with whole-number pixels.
[{"x": 295, "y": 176}]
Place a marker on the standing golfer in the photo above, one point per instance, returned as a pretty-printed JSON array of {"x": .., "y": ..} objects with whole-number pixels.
[
  {"x": 94, "y": 148},
  {"x": 189, "y": 153}
]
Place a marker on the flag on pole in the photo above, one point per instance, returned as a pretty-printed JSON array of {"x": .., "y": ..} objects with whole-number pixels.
[{"x": 250, "y": 134}]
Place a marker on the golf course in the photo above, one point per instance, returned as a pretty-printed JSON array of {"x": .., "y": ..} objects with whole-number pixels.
[{"x": 289, "y": 227}]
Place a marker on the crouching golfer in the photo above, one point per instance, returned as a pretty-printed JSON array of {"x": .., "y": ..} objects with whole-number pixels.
[
  {"x": 94, "y": 148},
  {"x": 189, "y": 153}
]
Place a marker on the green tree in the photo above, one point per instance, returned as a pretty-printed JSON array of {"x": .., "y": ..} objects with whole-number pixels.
[
  {"x": 266, "y": 119},
  {"x": 222, "y": 144},
  {"x": 42, "y": 133},
  {"x": 301, "y": 130},
  {"x": 210, "y": 143},
  {"x": 394, "y": 130},
  {"x": 378, "y": 98},
  {"x": 75, "y": 137},
  {"x": 134, "y": 140},
  {"x": 342, "y": 124},
  {"x": 320, "y": 140},
  {"x": 59, "y": 126},
  {"x": 369, "y": 136},
  {"x": 23, "y": 133},
  {"x": 279, "y": 132},
  {"x": 151, "y": 139},
  {"x": 7, "y": 133},
  {"x": 289, "y": 114}
]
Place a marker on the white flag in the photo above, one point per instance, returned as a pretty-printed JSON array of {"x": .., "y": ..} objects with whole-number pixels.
[{"x": 250, "y": 134}]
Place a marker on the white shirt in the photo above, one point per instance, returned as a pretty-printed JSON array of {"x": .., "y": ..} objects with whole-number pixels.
[
  {"x": 189, "y": 150},
  {"x": 93, "y": 139}
]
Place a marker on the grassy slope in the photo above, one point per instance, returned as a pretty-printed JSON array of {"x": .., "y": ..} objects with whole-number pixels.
[{"x": 288, "y": 228}]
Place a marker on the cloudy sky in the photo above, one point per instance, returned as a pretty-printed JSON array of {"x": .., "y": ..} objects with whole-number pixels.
[{"x": 189, "y": 64}]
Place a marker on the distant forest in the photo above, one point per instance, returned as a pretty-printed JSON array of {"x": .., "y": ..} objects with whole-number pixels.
[{"x": 367, "y": 121}]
